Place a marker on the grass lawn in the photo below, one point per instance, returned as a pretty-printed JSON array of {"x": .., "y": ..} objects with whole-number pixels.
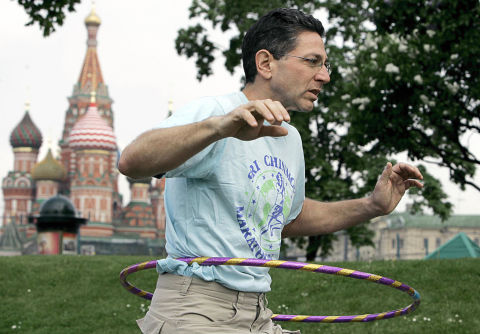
[{"x": 76, "y": 294}]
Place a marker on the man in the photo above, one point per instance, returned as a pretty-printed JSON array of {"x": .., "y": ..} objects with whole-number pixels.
[{"x": 235, "y": 183}]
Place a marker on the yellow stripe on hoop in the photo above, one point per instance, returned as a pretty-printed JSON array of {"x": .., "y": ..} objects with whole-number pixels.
[
  {"x": 141, "y": 266},
  {"x": 235, "y": 261},
  {"x": 142, "y": 293},
  {"x": 396, "y": 284},
  {"x": 311, "y": 267},
  {"x": 345, "y": 272},
  {"x": 359, "y": 318},
  {"x": 374, "y": 278},
  {"x": 380, "y": 316},
  {"x": 330, "y": 319},
  {"x": 273, "y": 263},
  {"x": 200, "y": 260},
  {"x": 299, "y": 318}
]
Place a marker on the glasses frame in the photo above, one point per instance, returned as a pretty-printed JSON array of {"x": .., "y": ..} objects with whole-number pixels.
[{"x": 315, "y": 63}]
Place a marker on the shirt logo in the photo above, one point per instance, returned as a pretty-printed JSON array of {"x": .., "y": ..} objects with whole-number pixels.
[{"x": 269, "y": 201}]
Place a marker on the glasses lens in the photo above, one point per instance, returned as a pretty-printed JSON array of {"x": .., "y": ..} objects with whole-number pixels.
[{"x": 328, "y": 67}]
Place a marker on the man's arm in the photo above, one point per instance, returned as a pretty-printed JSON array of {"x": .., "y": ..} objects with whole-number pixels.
[
  {"x": 323, "y": 218},
  {"x": 160, "y": 150}
]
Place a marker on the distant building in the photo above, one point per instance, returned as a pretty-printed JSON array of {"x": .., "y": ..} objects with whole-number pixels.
[
  {"x": 404, "y": 236},
  {"x": 86, "y": 172}
]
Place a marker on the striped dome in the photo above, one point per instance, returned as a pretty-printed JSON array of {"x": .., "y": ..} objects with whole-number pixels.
[
  {"x": 48, "y": 169},
  {"x": 91, "y": 131},
  {"x": 26, "y": 134}
]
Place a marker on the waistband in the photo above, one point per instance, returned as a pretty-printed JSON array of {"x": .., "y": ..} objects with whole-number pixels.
[{"x": 185, "y": 284}]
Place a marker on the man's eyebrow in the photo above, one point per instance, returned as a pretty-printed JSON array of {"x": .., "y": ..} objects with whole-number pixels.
[{"x": 316, "y": 55}]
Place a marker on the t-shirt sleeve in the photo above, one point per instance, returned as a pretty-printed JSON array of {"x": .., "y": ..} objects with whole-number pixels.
[
  {"x": 299, "y": 197},
  {"x": 204, "y": 162}
]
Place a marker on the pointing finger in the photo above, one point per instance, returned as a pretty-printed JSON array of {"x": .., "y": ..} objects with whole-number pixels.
[
  {"x": 413, "y": 183},
  {"x": 407, "y": 171}
]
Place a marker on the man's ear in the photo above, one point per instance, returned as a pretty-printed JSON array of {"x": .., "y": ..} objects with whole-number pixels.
[{"x": 263, "y": 60}]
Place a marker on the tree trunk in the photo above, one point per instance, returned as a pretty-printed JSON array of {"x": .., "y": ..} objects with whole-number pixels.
[{"x": 314, "y": 243}]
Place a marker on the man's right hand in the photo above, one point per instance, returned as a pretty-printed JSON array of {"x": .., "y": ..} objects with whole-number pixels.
[{"x": 247, "y": 121}]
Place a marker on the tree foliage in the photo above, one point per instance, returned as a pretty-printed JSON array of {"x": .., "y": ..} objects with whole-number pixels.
[
  {"x": 47, "y": 14},
  {"x": 405, "y": 80}
]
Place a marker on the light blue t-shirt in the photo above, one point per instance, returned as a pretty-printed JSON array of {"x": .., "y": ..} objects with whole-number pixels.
[{"x": 232, "y": 199}]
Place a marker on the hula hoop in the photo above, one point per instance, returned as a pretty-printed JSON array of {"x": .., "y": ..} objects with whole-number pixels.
[{"x": 317, "y": 268}]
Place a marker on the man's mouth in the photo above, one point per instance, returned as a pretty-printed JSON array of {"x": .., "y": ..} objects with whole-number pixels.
[{"x": 315, "y": 93}]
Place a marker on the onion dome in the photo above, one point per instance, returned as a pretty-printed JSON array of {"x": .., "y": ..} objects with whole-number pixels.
[
  {"x": 26, "y": 133},
  {"x": 93, "y": 18},
  {"x": 48, "y": 169},
  {"x": 91, "y": 131}
]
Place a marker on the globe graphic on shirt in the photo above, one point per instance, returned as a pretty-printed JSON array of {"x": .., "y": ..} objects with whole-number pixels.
[{"x": 268, "y": 208}]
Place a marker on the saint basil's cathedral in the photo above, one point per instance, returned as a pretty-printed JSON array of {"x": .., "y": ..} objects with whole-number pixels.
[{"x": 83, "y": 178}]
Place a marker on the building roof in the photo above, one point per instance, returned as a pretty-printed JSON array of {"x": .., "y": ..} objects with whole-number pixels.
[
  {"x": 91, "y": 131},
  {"x": 58, "y": 205},
  {"x": 402, "y": 220},
  {"x": 92, "y": 18},
  {"x": 460, "y": 246},
  {"x": 91, "y": 74},
  {"x": 48, "y": 169},
  {"x": 11, "y": 239},
  {"x": 26, "y": 134}
]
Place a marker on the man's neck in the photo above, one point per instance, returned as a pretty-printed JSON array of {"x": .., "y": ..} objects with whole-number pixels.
[{"x": 255, "y": 91}]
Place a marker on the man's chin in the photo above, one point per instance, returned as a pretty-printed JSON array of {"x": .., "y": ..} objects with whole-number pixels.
[{"x": 305, "y": 107}]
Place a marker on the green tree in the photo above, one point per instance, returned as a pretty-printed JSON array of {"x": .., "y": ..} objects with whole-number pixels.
[
  {"x": 405, "y": 80},
  {"x": 47, "y": 14}
]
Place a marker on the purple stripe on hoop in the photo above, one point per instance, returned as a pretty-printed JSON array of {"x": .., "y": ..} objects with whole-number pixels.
[
  {"x": 283, "y": 317},
  {"x": 359, "y": 275},
  {"x": 328, "y": 270},
  {"x": 386, "y": 281}
]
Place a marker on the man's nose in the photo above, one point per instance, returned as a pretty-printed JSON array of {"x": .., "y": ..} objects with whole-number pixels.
[{"x": 322, "y": 75}]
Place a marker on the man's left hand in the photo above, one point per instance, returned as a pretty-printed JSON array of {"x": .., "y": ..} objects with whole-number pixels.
[{"x": 392, "y": 184}]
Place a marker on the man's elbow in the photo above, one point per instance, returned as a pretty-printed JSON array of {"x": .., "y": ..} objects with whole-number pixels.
[{"x": 125, "y": 165}]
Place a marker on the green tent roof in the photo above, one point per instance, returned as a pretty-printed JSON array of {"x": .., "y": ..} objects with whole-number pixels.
[{"x": 459, "y": 246}]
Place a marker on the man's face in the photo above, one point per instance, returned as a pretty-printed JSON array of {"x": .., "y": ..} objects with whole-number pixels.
[{"x": 295, "y": 82}]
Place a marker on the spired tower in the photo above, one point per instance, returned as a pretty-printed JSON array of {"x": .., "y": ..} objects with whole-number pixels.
[
  {"x": 18, "y": 186},
  {"x": 90, "y": 80},
  {"x": 93, "y": 173}
]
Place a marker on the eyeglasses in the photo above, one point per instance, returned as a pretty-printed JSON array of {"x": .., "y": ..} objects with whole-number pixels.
[{"x": 315, "y": 63}]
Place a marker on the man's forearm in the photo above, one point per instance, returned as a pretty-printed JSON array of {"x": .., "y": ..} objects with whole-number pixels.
[
  {"x": 160, "y": 150},
  {"x": 323, "y": 218}
]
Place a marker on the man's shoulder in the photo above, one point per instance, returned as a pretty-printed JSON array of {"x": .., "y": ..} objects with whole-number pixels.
[
  {"x": 230, "y": 101},
  {"x": 222, "y": 103}
]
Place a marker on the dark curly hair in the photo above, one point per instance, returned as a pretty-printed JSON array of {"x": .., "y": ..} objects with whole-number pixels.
[{"x": 276, "y": 32}]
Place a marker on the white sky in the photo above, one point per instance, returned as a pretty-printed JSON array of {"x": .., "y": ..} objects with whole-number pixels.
[{"x": 139, "y": 64}]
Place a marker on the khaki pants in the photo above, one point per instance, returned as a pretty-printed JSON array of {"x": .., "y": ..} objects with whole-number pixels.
[{"x": 189, "y": 305}]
